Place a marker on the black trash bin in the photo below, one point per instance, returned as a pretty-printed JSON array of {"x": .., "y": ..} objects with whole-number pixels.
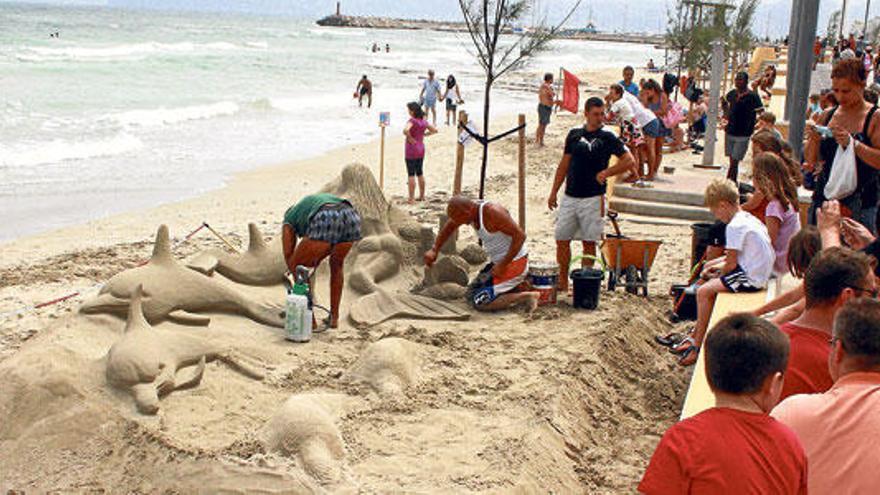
[
  {"x": 705, "y": 235},
  {"x": 586, "y": 285}
]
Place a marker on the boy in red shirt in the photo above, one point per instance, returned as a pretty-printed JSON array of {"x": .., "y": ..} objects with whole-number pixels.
[
  {"x": 734, "y": 447},
  {"x": 835, "y": 276}
]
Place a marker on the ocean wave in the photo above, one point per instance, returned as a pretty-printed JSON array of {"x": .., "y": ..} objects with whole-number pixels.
[
  {"x": 162, "y": 116},
  {"x": 337, "y": 32},
  {"x": 257, "y": 44},
  {"x": 59, "y": 150},
  {"x": 116, "y": 52}
]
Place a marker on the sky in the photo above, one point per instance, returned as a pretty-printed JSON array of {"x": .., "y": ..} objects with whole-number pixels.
[{"x": 771, "y": 19}]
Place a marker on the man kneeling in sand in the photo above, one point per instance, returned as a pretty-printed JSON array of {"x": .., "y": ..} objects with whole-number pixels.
[{"x": 498, "y": 286}]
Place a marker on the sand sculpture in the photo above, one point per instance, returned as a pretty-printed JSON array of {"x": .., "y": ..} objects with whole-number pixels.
[
  {"x": 304, "y": 429},
  {"x": 376, "y": 258},
  {"x": 474, "y": 254},
  {"x": 392, "y": 238},
  {"x": 383, "y": 305},
  {"x": 262, "y": 263},
  {"x": 146, "y": 361},
  {"x": 174, "y": 292},
  {"x": 388, "y": 365}
]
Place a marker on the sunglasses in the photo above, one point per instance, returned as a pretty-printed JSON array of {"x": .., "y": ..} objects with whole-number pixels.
[{"x": 872, "y": 292}]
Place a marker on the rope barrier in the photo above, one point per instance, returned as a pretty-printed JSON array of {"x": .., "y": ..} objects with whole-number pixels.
[
  {"x": 81, "y": 292},
  {"x": 484, "y": 141}
]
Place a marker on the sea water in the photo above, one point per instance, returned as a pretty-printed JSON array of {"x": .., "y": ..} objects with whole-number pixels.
[{"x": 131, "y": 108}]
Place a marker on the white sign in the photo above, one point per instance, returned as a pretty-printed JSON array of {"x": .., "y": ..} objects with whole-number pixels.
[{"x": 464, "y": 138}]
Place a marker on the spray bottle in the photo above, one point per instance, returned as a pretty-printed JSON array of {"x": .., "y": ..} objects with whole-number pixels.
[{"x": 298, "y": 325}]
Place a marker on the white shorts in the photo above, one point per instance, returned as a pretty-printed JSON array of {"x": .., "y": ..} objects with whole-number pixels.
[{"x": 581, "y": 219}]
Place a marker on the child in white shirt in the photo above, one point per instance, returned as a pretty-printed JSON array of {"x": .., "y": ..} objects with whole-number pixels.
[{"x": 745, "y": 267}]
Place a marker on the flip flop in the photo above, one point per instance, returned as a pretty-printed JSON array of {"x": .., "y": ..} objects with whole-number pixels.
[
  {"x": 670, "y": 339},
  {"x": 689, "y": 356},
  {"x": 687, "y": 351}
]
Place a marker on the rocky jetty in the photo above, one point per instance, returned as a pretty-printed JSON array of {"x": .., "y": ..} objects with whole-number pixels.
[{"x": 337, "y": 20}]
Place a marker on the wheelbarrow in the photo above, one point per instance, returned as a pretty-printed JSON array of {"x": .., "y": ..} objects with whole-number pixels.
[{"x": 628, "y": 261}]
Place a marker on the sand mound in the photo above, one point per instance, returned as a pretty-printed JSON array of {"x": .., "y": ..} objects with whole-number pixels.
[
  {"x": 389, "y": 365},
  {"x": 474, "y": 254},
  {"x": 304, "y": 429},
  {"x": 448, "y": 268}
]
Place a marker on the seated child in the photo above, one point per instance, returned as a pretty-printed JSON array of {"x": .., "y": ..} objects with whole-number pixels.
[
  {"x": 745, "y": 267},
  {"x": 767, "y": 122},
  {"x": 734, "y": 447},
  {"x": 803, "y": 247},
  {"x": 781, "y": 215}
]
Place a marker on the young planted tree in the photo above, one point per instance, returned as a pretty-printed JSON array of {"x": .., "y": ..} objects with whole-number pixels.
[
  {"x": 499, "y": 50},
  {"x": 693, "y": 25}
]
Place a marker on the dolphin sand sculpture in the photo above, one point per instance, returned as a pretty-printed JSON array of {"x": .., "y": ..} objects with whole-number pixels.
[
  {"x": 174, "y": 292},
  {"x": 146, "y": 360},
  {"x": 261, "y": 264}
]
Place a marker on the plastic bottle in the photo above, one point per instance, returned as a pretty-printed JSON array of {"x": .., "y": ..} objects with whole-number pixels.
[{"x": 298, "y": 325}]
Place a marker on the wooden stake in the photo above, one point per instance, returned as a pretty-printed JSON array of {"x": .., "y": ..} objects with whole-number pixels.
[
  {"x": 382, "y": 160},
  {"x": 522, "y": 172},
  {"x": 459, "y": 155},
  {"x": 217, "y": 234}
]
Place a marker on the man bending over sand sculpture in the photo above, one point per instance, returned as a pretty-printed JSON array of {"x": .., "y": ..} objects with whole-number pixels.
[
  {"x": 321, "y": 225},
  {"x": 498, "y": 284}
]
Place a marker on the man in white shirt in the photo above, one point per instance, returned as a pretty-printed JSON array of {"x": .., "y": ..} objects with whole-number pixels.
[{"x": 429, "y": 95}]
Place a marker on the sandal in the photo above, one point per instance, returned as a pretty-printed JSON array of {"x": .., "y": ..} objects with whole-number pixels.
[
  {"x": 687, "y": 352},
  {"x": 671, "y": 339}
]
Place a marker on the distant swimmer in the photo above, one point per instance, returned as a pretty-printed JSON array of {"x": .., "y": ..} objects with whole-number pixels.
[
  {"x": 364, "y": 88},
  {"x": 375, "y": 47},
  {"x": 387, "y": 48}
]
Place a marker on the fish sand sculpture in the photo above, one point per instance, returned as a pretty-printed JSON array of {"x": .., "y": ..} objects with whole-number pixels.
[
  {"x": 174, "y": 292},
  {"x": 261, "y": 264},
  {"x": 146, "y": 360}
]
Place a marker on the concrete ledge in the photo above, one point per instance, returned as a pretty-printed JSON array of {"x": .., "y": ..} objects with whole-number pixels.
[
  {"x": 660, "y": 195},
  {"x": 655, "y": 209},
  {"x": 699, "y": 396}
]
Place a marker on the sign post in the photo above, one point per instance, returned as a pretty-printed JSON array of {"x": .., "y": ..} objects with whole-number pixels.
[
  {"x": 522, "y": 171},
  {"x": 384, "y": 121},
  {"x": 459, "y": 154}
]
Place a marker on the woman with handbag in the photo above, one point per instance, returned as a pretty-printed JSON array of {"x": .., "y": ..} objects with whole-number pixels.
[{"x": 851, "y": 127}]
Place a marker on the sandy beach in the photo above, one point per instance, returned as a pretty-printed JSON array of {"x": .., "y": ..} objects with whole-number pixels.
[{"x": 563, "y": 400}]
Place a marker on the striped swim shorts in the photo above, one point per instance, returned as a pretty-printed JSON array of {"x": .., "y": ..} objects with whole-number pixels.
[{"x": 335, "y": 223}]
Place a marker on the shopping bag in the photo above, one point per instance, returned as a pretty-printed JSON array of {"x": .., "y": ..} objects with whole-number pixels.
[
  {"x": 674, "y": 115},
  {"x": 844, "y": 178}
]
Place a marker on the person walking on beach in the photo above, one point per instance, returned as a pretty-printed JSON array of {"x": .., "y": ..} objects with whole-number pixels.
[
  {"x": 317, "y": 227},
  {"x": 364, "y": 88},
  {"x": 414, "y": 151},
  {"x": 741, "y": 109},
  {"x": 452, "y": 95},
  {"x": 546, "y": 100},
  {"x": 429, "y": 94},
  {"x": 500, "y": 283},
  {"x": 584, "y": 170}
]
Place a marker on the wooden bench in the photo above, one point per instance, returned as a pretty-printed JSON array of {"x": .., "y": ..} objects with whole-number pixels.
[{"x": 699, "y": 396}]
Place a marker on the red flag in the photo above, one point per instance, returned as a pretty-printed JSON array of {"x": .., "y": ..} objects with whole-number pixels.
[{"x": 570, "y": 92}]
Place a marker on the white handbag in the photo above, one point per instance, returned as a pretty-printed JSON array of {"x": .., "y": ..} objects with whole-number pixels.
[{"x": 844, "y": 178}]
